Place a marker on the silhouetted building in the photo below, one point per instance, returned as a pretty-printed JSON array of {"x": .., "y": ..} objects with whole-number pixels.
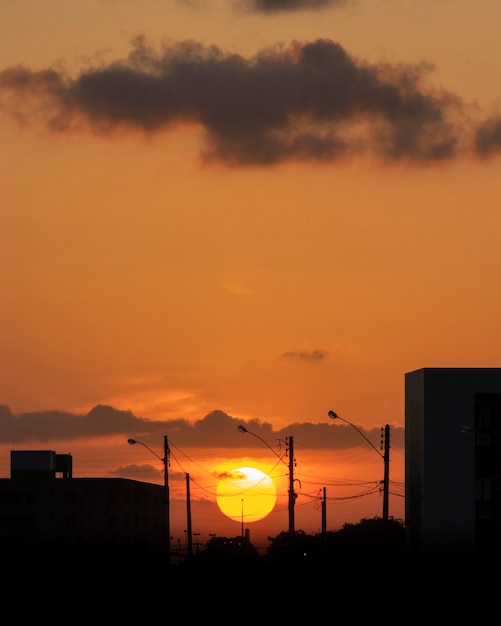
[
  {"x": 453, "y": 459},
  {"x": 40, "y": 464},
  {"x": 42, "y": 506}
]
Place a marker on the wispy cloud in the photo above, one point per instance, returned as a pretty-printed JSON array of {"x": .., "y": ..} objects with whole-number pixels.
[
  {"x": 300, "y": 102},
  {"x": 306, "y": 355}
]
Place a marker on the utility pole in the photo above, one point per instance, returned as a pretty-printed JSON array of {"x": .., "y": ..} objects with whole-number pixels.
[
  {"x": 324, "y": 519},
  {"x": 292, "y": 495},
  {"x": 188, "y": 510},
  {"x": 165, "y": 461},
  {"x": 167, "y": 496},
  {"x": 385, "y": 443},
  {"x": 386, "y": 477}
]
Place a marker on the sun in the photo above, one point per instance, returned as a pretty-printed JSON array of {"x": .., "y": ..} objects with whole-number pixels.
[{"x": 246, "y": 493}]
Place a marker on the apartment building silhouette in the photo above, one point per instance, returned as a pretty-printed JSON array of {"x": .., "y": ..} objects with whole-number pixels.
[
  {"x": 43, "y": 507},
  {"x": 453, "y": 460}
]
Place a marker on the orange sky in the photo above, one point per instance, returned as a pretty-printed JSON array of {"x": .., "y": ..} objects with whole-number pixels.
[{"x": 278, "y": 218}]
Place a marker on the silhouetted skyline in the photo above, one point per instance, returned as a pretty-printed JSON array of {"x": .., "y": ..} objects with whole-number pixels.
[
  {"x": 328, "y": 454},
  {"x": 255, "y": 211}
]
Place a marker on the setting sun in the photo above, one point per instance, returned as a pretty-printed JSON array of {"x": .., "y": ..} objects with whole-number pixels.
[{"x": 246, "y": 493}]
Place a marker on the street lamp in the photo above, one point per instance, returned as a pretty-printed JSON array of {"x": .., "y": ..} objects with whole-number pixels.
[
  {"x": 165, "y": 461},
  {"x": 241, "y": 428},
  {"x": 386, "y": 458},
  {"x": 197, "y": 535},
  {"x": 292, "y": 494}
]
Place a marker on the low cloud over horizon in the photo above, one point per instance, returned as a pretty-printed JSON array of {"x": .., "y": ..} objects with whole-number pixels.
[{"x": 217, "y": 429}]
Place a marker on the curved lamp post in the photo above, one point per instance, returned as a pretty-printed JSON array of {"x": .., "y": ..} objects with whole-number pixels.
[
  {"x": 292, "y": 494},
  {"x": 165, "y": 461},
  {"x": 241, "y": 428},
  {"x": 386, "y": 458}
]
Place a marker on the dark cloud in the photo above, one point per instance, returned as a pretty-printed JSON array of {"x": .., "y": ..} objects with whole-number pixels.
[
  {"x": 305, "y": 101},
  {"x": 41, "y": 426},
  {"x": 488, "y": 137},
  {"x": 216, "y": 430},
  {"x": 221, "y": 475},
  {"x": 287, "y": 6},
  {"x": 145, "y": 471},
  {"x": 307, "y": 355},
  {"x": 230, "y": 475}
]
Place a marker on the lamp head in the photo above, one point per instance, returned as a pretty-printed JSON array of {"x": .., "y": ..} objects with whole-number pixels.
[
  {"x": 242, "y": 428},
  {"x": 131, "y": 441},
  {"x": 332, "y": 415}
]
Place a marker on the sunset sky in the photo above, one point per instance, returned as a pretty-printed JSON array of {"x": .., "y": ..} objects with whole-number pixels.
[{"x": 243, "y": 212}]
